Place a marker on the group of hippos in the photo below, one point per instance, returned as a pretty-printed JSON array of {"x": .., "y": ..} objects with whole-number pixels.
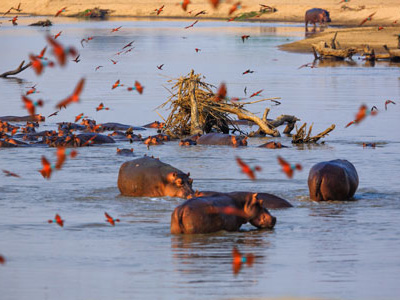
[
  {"x": 202, "y": 212},
  {"x": 210, "y": 211}
]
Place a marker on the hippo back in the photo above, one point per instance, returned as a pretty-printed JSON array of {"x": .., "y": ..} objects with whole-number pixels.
[{"x": 332, "y": 180}]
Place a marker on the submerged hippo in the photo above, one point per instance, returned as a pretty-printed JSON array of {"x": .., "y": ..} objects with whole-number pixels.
[
  {"x": 222, "y": 139},
  {"x": 332, "y": 180},
  {"x": 269, "y": 201},
  {"x": 220, "y": 212},
  {"x": 272, "y": 145},
  {"x": 149, "y": 177},
  {"x": 316, "y": 15}
]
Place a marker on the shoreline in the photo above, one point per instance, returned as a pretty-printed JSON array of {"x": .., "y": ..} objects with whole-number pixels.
[{"x": 347, "y": 16}]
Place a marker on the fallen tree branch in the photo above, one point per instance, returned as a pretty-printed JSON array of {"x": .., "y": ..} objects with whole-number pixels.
[
  {"x": 302, "y": 138},
  {"x": 20, "y": 68}
]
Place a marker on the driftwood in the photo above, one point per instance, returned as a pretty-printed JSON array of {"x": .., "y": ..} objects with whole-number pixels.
[
  {"x": 394, "y": 53},
  {"x": 46, "y": 23},
  {"x": 301, "y": 137},
  {"x": 369, "y": 54},
  {"x": 332, "y": 51},
  {"x": 195, "y": 108},
  {"x": 20, "y": 68}
]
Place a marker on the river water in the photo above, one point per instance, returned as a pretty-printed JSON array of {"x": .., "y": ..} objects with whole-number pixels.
[{"x": 334, "y": 250}]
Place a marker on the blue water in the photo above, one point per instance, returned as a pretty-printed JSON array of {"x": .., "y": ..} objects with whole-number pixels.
[{"x": 335, "y": 250}]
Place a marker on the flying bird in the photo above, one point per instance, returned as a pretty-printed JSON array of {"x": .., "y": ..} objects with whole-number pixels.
[
  {"x": 247, "y": 71},
  {"x": 245, "y": 37},
  {"x": 57, "y": 220},
  {"x": 128, "y": 45},
  {"x": 64, "y": 9},
  {"x": 214, "y": 3},
  {"x": 116, "y": 84},
  {"x": 369, "y": 18},
  {"x": 309, "y": 65},
  {"x": 78, "y": 117},
  {"x": 75, "y": 95},
  {"x": 110, "y": 219},
  {"x": 77, "y": 59},
  {"x": 2, "y": 260},
  {"x": 159, "y": 10},
  {"x": 160, "y": 67},
  {"x": 239, "y": 259},
  {"x": 86, "y": 40},
  {"x": 185, "y": 4},
  {"x": 203, "y": 12},
  {"x": 114, "y": 61},
  {"x": 388, "y": 102},
  {"x": 18, "y": 9},
  {"x": 234, "y": 7},
  {"x": 138, "y": 87},
  {"x": 191, "y": 25},
  {"x": 61, "y": 52},
  {"x": 11, "y": 174},
  {"x": 287, "y": 168},
  {"x": 101, "y": 107},
  {"x": 31, "y": 105},
  {"x": 38, "y": 64},
  {"x": 47, "y": 168},
  {"x": 256, "y": 93},
  {"x": 53, "y": 114},
  {"x": 197, "y": 50},
  {"x": 221, "y": 93},
  {"x": 246, "y": 169},
  {"x": 62, "y": 154},
  {"x": 116, "y": 29},
  {"x": 98, "y": 67},
  {"x": 361, "y": 114},
  {"x": 14, "y": 20},
  {"x": 57, "y": 35}
]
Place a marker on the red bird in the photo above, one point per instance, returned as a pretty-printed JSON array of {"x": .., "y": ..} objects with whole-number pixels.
[
  {"x": 18, "y": 9},
  {"x": 114, "y": 61},
  {"x": 256, "y": 93},
  {"x": 90, "y": 141},
  {"x": 369, "y": 18},
  {"x": 98, "y": 67},
  {"x": 47, "y": 168},
  {"x": 101, "y": 107},
  {"x": 388, "y": 102},
  {"x": 78, "y": 117},
  {"x": 214, "y": 3},
  {"x": 361, "y": 114},
  {"x": 234, "y": 7},
  {"x": 2, "y": 260},
  {"x": 39, "y": 64},
  {"x": 128, "y": 45},
  {"x": 60, "y": 52},
  {"x": 287, "y": 168},
  {"x": 191, "y": 25},
  {"x": 380, "y": 28},
  {"x": 86, "y": 40},
  {"x": 62, "y": 154},
  {"x": 110, "y": 219},
  {"x": 160, "y": 67},
  {"x": 8, "y": 173},
  {"x": 116, "y": 84},
  {"x": 159, "y": 10},
  {"x": 64, "y": 9},
  {"x": 31, "y": 106},
  {"x": 239, "y": 259},
  {"x": 31, "y": 91},
  {"x": 137, "y": 87},
  {"x": 116, "y": 29},
  {"x": 245, "y": 37},
  {"x": 57, "y": 220},
  {"x": 197, "y": 50},
  {"x": 14, "y": 20},
  {"x": 246, "y": 169},
  {"x": 57, "y": 35},
  {"x": 75, "y": 95},
  {"x": 221, "y": 94},
  {"x": 247, "y": 72},
  {"x": 41, "y": 55},
  {"x": 185, "y": 4}
]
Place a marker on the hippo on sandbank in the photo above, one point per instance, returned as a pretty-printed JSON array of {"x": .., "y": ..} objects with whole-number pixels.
[{"x": 316, "y": 15}]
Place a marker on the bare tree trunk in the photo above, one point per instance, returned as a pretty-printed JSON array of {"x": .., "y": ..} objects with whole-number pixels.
[
  {"x": 195, "y": 127},
  {"x": 20, "y": 68}
]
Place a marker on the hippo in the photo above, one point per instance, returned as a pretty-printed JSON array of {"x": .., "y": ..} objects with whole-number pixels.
[
  {"x": 315, "y": 15},
  {"x": 332, "y": 180},
  {"x": 118, "y": 126},
  {"x": 155, "y": 124},
  {"x": 95, "y": 138},
  {"x": 187, "y": 142},
  {"x": 125, "y": 152},
  {"x": 272, "y": 145},
  {"x": 269, "y": 201},
  {"x": 149, "y": 177},
  {"x": 219, "y": 212},
  {"x": 35, "y": 118},
  {"x": 222, "y": 139}
]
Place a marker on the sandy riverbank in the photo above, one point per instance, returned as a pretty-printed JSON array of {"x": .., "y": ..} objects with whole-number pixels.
[{"x": 387, "y": 14}]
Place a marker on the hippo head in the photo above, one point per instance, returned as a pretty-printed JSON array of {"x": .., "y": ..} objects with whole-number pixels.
[
  {"x": 178, "y": 185},
  {"x": 239, "y": 140},
  {"x": 258, "y": 216},
  {"x": 326, "y": 16}
]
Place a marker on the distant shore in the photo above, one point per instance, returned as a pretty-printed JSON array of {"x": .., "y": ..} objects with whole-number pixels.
[{"x": 344, "y": 14}]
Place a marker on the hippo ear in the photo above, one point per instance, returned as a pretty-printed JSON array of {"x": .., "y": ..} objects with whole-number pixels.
[
  {"x": 188, "y": 174},
  {"x": 171, "y": 177},
  {"x": 251, "y": 206}
]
